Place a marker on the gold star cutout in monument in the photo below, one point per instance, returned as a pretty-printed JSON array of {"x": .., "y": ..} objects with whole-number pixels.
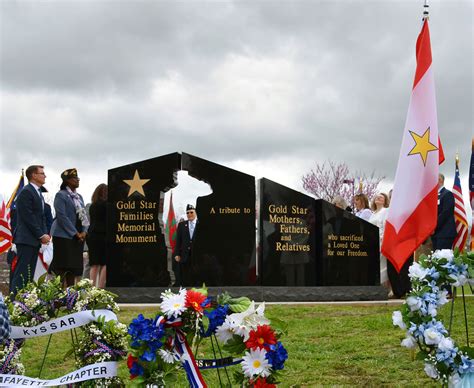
[
  {"x": 422, "y": 145},
  {"x": 136, "y": 184}
]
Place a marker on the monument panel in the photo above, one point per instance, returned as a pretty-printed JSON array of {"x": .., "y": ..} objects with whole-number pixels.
[
  {"x": 224, "y": 246},
  {"x": 347, "y": 248},
  {"x": 287, "y": 236},
  {"x": 136, "y": 245}
]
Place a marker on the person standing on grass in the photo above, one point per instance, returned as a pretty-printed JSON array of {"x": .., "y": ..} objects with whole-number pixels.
[
  {"x": 31, "y": 230},
  {"x": 96, "y": 241},
  {"x": 378, "y": 218},
  {"x": 69, "y": 229}
]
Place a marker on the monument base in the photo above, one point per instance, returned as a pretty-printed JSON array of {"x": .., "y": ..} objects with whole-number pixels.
[{"x": 260, "y": 294}]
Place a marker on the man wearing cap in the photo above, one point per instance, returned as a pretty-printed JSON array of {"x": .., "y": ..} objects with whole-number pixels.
[
  {"x": 182, "y": 254},
  {"x": 31, "y": 230}
]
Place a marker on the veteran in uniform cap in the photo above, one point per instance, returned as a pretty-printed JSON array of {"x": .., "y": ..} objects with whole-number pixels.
[
  {"x": 182, "y": 254},
  {"x": 69, "y": 229}
]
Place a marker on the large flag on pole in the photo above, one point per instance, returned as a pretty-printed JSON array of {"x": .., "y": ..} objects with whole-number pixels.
[
  {"x": 412, "y": 214},
  {"x": 171, "y": 225},
  {"x": 471, "y": 194},
  {"x": 460, "y": 215}
]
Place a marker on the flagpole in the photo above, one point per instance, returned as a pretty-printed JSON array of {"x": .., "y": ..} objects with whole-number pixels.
[{"x": 426, "y": 12}]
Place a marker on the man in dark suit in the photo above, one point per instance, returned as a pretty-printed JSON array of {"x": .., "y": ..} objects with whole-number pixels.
[
  {"x": 31, "y": 230},
  {"x": 445, "y": 232},
  {"x": 182, "y": 254}
]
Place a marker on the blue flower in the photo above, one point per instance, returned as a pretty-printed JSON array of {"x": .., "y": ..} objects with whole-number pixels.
[
  {"x": 277, "y": 356},
  {"x": 467, "y": 365},
  {"x": 145, "y": 330},
  {"x": 216, "y": 318},
  {"x": 136, "y": 369},
  {"x": 148, "y": 356}
]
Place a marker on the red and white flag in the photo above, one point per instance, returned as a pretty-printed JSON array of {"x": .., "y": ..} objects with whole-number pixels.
[
  {"x": 412, "y": 214},
  {"x": 5, "y": 229}
]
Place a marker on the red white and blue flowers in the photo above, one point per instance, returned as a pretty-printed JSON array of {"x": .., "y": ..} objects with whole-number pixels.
[
  {"x": 443, "y": 359},
  {"x": 161, "y": 347}
]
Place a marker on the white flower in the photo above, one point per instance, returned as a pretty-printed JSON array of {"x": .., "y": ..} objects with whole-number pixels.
[
  {"x": 460, "y": 280},
  {"x": 414, "y": 303},
  {"x": 225, "y": 331},
  {"x": 167, "y": 356},
  {"x": 255, "y": 364},
  {"x": 397, "y": 320},
  {"x": 431, "y": 371},
  {"x": 443, "y": 297},
  {"x": 432, "y": 310},
  {"x": 443, "y": 254},
  {"x": 445, "y": 344},
  {"x": 250, "y": 319},
  {"x": 409, "y": 342},
  {"x": 432, "y": 337},
  {"x": 173, "y": 304},
  {"x": 416, "y": 271}
]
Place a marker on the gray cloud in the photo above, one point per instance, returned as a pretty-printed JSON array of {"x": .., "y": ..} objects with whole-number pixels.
[{"x": 100, "y": 84}]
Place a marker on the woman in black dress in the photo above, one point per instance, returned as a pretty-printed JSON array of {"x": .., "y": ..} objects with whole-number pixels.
[{"x": 96, "y": 237}]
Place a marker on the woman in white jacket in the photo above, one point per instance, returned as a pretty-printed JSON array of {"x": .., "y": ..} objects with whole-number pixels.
[{"x": 378, "y": 218}]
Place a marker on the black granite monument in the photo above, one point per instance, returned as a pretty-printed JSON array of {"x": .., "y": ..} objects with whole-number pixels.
[
  {"x": 224, "y": 246},
  {"x": 308, "y": 242},
  {"x": 307, "y": 249},
  {"x": 287, "y": 236},
  {"x": 347, "y": 248}
]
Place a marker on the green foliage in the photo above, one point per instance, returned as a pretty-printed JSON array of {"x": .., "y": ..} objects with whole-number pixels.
[
  {"x": 235, "y": 345},
  {"x": 238, "y": 305}
]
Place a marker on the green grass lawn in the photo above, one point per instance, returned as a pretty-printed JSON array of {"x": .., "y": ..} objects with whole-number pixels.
[{"x": 328, "y": 345}]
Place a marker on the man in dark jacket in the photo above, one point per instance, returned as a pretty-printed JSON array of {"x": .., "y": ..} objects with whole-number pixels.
[
  {"x": 445, "y": 232},
  {"x": 31, "y": 230},
  {"x": 182, "y": 254}
]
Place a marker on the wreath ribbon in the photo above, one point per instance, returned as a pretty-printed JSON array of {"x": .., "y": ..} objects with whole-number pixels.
[
  {"x": 182, "y": 348},
  {"x": 189, "y": 362}
]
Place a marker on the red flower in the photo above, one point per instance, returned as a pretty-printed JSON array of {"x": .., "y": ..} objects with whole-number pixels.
[
  {"x": 263, "y": 337},
  {"x": 261, "y": 382},
  {"x": 194, "y": 300},
  {"x": 130, "y": 361}
]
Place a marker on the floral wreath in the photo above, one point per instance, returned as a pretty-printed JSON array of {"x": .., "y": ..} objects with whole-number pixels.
[
  {"x": 161, "y": 351},
  {"x": 443, "y": 359},
  {"x": 38, "y": 303}
]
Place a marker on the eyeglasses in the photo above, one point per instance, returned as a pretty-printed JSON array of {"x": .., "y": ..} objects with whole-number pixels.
[{"x": 39, "y": 173}]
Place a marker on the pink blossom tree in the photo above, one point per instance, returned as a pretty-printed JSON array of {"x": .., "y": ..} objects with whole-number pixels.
[{"x": 331, "y": 178}]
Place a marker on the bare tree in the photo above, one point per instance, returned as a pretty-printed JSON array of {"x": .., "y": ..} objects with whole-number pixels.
[{"x": 331, "y": 178}]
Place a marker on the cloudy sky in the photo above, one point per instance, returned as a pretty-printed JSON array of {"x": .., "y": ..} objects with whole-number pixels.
[{"x": 265, "y": 87}]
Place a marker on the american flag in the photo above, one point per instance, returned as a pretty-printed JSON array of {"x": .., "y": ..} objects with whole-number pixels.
[
  {"x": 5, "y": 231},
  {"x": 471, "y": 192},
  {"x": 460, "y": 215},
  {"x": 6, "y": 216}
]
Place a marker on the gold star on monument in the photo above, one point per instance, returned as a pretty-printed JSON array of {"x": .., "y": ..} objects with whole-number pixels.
[
  {"x": 136, "y": 184},
  {"x": 422, "y": 145}
]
